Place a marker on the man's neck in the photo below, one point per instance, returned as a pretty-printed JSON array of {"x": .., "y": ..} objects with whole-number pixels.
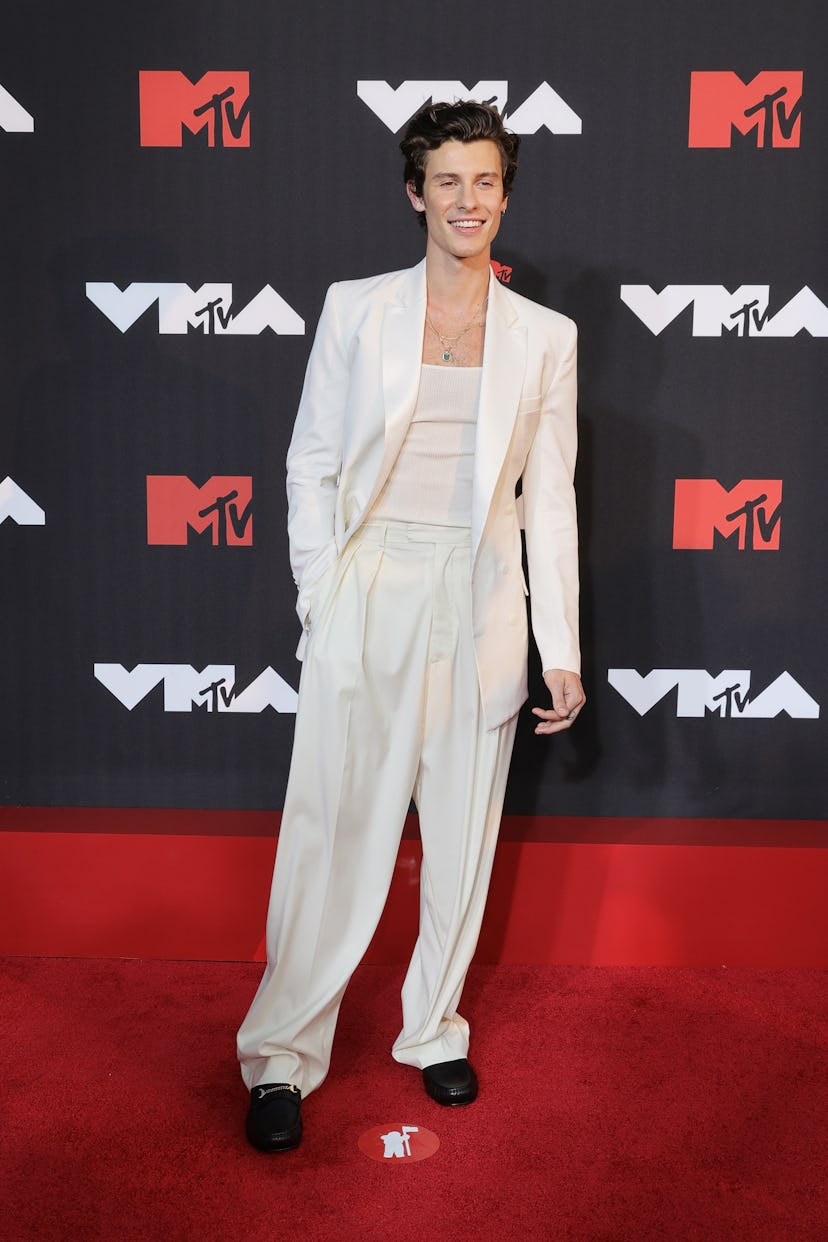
[{"x": 456, "y": 284}]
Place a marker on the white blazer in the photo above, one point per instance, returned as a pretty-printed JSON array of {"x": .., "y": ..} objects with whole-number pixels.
[{"x": 359, "y": 395}]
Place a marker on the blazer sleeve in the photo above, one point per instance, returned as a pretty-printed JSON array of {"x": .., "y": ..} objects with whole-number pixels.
[
  {"x": 315, "y": 455},
  {"x": 551, "y": 518}
]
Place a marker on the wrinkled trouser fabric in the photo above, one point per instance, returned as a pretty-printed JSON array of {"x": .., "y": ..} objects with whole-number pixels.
[{"x": 389, "y": 708}]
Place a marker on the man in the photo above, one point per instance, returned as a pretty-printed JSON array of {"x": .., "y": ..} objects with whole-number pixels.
[{"x": 429, "y": 394}]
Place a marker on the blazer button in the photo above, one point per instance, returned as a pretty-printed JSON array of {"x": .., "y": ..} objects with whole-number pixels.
[
  {"x": 512, "y": 618},
  {"x": 504, "y": 569},
  {"x": 509, "y": 510}
]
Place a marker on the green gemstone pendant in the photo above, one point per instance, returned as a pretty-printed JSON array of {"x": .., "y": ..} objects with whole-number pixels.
[{"x": 447, "y": 355}]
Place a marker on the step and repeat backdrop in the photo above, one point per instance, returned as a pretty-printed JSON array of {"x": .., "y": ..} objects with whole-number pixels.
[{"x": 180, "y": 184}]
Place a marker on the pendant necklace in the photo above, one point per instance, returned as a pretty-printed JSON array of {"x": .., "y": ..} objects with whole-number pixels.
[{"x": 448, "y": 342}]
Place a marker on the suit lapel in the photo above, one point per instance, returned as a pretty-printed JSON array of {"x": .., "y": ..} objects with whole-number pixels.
[
  {"x": 402, "y": 346},
  {"x": 504, "y": 365}
]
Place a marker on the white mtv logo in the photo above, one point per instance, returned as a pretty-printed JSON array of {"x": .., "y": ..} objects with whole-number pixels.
[
  {"x": 14, "y": 118},
  {"x": 210, "y": 308},
  {"x": 15, "y": 504},
  {"x": 543, "y": 107},
  {"x": 743, "y": 312},
  {"x": 727, "y": 695},
  {"x": 211, "y": 689}
]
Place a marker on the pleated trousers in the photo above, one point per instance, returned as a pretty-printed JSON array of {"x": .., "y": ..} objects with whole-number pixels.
[{"x": 389, "y": 709}]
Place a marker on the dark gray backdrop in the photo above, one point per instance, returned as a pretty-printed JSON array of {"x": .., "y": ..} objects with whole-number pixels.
[{"x": 89, "y": 412}]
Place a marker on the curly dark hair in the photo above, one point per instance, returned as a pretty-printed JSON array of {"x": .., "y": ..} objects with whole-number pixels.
[{"x": 464, "y": 121}]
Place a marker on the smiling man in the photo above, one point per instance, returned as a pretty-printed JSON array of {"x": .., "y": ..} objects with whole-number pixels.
[{"x": 429, "y": 394}]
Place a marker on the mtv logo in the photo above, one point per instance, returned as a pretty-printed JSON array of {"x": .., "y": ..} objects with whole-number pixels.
[
  {"x": 211, "y": 689},
  {"x": 15, "y": 504},
  {"x": 208, "y": 309},
  {"x": 502, "y": 272},
  {"x": 543, "y": 108},
  {"x": 14, "y": 118},
  {"x": 750, "y": 513},
  {"x": 218, "y": 103},
  {"x": 770, "y": 103},
  {"x": 223, "y": 505}
]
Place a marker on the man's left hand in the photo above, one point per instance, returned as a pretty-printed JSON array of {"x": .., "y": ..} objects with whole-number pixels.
[{"x": 567, "y": 700}]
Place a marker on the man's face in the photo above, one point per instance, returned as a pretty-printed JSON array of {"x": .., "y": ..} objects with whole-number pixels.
[{"x": 462, "y": 197}]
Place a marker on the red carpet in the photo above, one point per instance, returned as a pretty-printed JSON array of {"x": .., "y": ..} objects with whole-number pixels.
[{"x": 615, "y": 1104}]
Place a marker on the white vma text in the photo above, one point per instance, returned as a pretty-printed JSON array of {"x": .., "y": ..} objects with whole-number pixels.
[
  {"x": 14, "y": 118},
  {"x": 701, "y": 694},
  {"x": 210, "y": 689},
  {"x": 15, "y": 504},
  {"x": 544, "y": 107},
  {"x": 208, "y": 309},
  {"x": 745, "y": 312}
]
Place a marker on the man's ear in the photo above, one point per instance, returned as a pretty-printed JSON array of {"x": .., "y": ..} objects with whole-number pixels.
[{"x": 413, "y": 197}]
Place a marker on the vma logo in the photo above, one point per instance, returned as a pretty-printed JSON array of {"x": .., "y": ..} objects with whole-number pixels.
[
  {"x": 748, "y": 515},
  {"x": 746, "y": 312},
  {"x": 208, "y": 310},
  {"x": 14, "y": 118},
  {"x": 177, "y": 508},
  {"x": 15, "y": 504},
  {"x": 218, "y": 103},
  {"x": 701, "y": 694},
  {"x": 211, "y": 689},
  {"x": 543, "y": 108},
  {"x": 770, "y": 105}
]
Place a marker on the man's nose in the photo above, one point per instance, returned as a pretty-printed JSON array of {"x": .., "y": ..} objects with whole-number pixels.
[{"x": 466, "y": 197}]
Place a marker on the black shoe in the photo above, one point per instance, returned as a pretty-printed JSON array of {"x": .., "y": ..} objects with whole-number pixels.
[
  {"x": 274, "y": 1121},
  {"x": 451, "y": 1082}
]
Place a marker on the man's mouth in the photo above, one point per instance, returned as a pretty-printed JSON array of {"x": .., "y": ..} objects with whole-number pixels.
[{"x": 465, "y": 225}]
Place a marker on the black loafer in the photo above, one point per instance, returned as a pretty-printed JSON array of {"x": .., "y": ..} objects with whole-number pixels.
[
  {"x": 451, "y": 1082},
  {"x": 274, "y": 1120}
]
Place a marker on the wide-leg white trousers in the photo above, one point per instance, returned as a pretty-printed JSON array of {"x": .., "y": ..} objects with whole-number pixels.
[{"x": 389, "y": 708}]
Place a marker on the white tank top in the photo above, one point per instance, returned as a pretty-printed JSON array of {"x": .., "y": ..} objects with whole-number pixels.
[{"x": 431, "y": 479}]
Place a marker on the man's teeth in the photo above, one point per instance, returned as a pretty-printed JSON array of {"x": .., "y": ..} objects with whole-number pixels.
[{"x": 466, "y": 224}]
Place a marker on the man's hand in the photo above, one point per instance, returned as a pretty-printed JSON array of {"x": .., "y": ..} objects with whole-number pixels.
[{"x": 567, "y": 700}]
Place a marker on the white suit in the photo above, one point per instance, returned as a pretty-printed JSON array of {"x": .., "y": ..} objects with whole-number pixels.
[
  {"x": 415, "y": 664},
  {"x": 350, "y": 427}
]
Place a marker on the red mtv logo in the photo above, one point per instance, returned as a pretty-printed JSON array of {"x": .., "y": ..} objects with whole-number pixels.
[
  {"x": 751, "y": 511},
  {"x": 771, "y": 103},
  {"x": 218, "y": 101},
  {"x": 223, "y": 505},
  {"x": 502, "y": 271}
]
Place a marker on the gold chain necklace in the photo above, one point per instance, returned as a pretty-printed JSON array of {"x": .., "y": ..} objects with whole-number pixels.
[{"x": 448, "y": 342}]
